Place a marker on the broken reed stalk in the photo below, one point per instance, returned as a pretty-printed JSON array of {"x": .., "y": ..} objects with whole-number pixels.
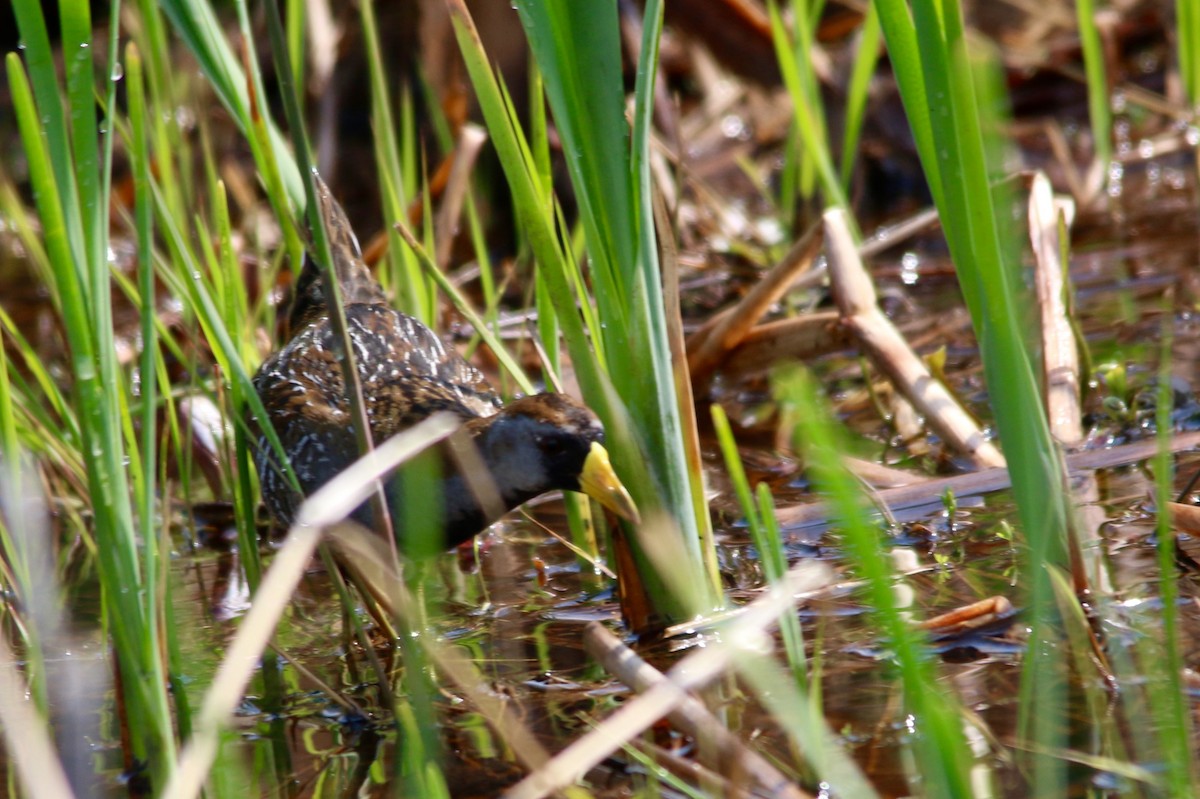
[
  {"x": 798, "y": 338},
  {"x": 466, "y": 152},
  {"x": 981, "y": 482},
  {"x": 325, "y": 508},
  {"x": 709, "y": 345},
  {"x": 887, "y": 349},
  {"x": 27, "y": 737},
  {"x": 691, "y": 716},
  {"x": 1185, "y": 517},
  {"x": 1060, "y": 352}
]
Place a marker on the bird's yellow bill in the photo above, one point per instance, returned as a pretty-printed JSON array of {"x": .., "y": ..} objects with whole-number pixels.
[{"x": 601, "y": 483}]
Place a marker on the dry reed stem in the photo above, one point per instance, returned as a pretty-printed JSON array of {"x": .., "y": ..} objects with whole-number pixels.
[
  {"x": 969, "y": 617},
  {"x": 800, "y": 338},
  {"x": 669, "y": 267},
  {"x": 981, "y": 482},
  {"x": 1060, "y": 355},
  {"x": 705, "y": 780},
  {"x": 878, "y": 475},
  {"x": 27, "y": 737},
  {"x": 890, "y": 236},
  {"x": 324, "y": 509},
  {"x": 1184, "y": 517},
  {"x": 323, "y": 35},
  {"x": 887, "y": 349},
  {"x": 691, "y": 715},
  {"x": 695, "y": 671},
  {"x": 710, "y": 345},
  {"x": 466, "y": 152}
]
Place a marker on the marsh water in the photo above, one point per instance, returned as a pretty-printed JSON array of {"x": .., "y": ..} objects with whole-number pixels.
[{"x": 518, "y": 601}]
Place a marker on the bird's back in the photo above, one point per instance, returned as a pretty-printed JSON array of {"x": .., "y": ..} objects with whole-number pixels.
[{"x": 406, "y": 372}]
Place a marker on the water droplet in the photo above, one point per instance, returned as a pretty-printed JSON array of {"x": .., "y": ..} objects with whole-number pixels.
[
  {"x": 909, "y": 268},
  {"x": 118, "y": 71},
  {"x": 733, "y": 127},
  {"x": 1116, "y": 172}
]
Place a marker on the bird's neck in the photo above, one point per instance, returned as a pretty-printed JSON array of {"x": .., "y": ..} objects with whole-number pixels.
[{"x": 467, "y": 507}]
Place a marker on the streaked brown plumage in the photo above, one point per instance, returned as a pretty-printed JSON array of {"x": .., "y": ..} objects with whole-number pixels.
[{"x": 533, "y": 445}]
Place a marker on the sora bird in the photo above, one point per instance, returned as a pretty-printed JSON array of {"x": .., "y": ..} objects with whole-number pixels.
[{"x": 532, "y": 445}]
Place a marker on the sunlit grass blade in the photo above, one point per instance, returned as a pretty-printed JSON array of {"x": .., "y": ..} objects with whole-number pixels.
[
  {"x": 1099, "y": 95},
  {"x": 169, "y": 143},
  {"x": 759, "y": 510},
  {"x": 932, "y": 61},
  {"x": 1167, "y": 693},
  {"x": 942, "y": 758},
  {"x": 196, "y": 23},
  {"x": 795, "y": 63},
  {"x": 81, "y": 283},
  {"x": 857, "y": 92},
  {"x": 1187, "y": 32},
  {"x": 414, "y": 291},
  {"x": 577, "y": 47},
  {"x": 634, "y": 455}
]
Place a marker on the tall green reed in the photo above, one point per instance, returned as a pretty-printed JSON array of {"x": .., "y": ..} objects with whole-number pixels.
[
  {"x": 625, "y": 371},
  {"x": 397, "y": 157},
  {"x": 1099, "y": 93},
  {"x": 1187, "y": 32},
  {"x": 759, "y": 509},
  {"x": 71, "y": 176},
  {"x": 794, "y": 51},
  {"x": 1167, "y": 694},
  {"x": 944, "y": 764},
  {"x": 936, "y": 72}
]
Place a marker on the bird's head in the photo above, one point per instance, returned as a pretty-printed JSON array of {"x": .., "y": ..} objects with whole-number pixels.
[{"x": 549, "y": 441}]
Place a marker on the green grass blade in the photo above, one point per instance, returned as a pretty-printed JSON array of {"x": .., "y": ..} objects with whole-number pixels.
[
  {"x": 43, "y": 77},
  {"x": 196, "y": 23},
  {"x": 935, "y": 72},
  {"x": 100, "y": 402},
  {"x": 798, "y": 76},
  {"x": 1187, "y": 31},
  {"x": 1168, "y": 695},
  {"x": 865, "y": 61},
  {"x": 413, "y": 290},
  {"x": 759, "y": 510},
  {"x": 577, "y": 47},
  {"x": 1099, "y": 96},
  {"x": 943, "y": 759}
]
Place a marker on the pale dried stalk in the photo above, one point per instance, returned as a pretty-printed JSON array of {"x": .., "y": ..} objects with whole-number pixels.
[
  {"x": 26, "y": 735},
  {"x": 799, "y": 338},
  {"x": 466, "y": 153},
  {"x": 981, "y": 482},
  {"x": 691, "y": 715},
  {"x": 1060, "y": 356},
  {"x": 887, "y": 349},
  {"x": 326, "y": 508},
  {"x": 692, "y": 673}
]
